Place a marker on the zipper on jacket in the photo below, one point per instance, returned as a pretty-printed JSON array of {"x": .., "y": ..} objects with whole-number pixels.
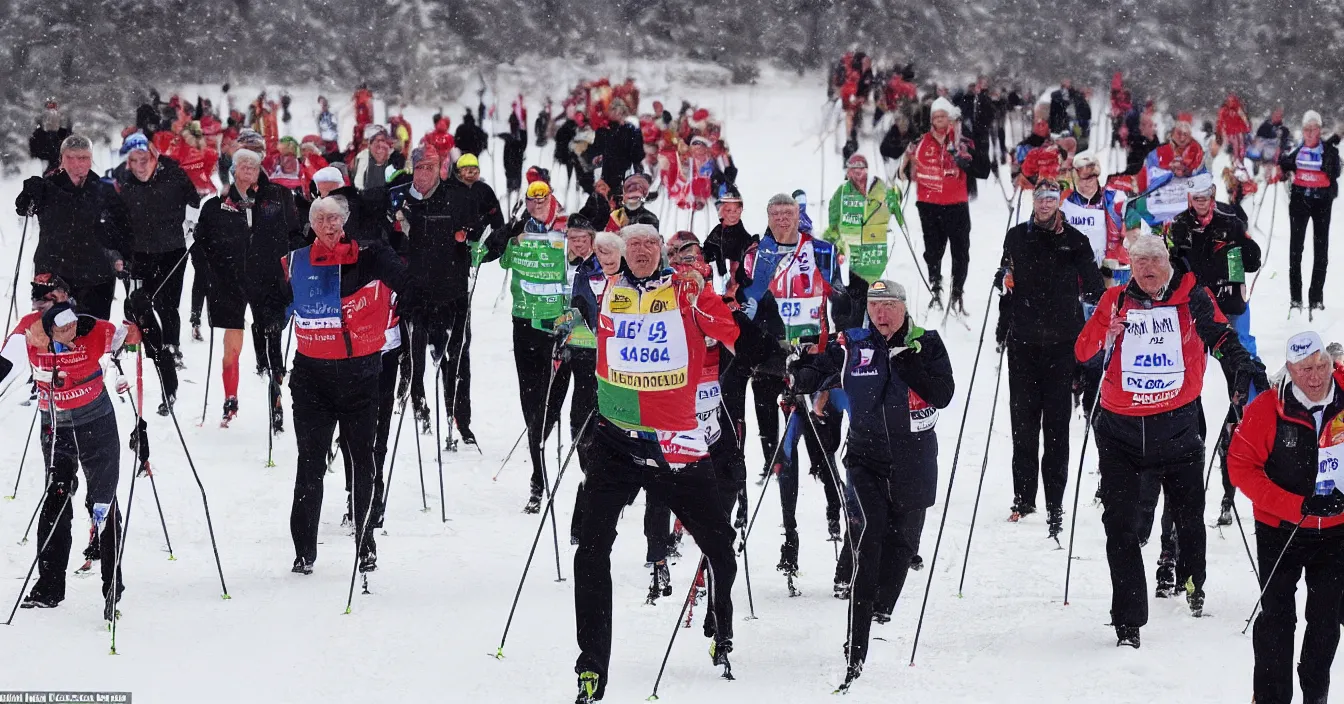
[{"x": 345, "y": 329}]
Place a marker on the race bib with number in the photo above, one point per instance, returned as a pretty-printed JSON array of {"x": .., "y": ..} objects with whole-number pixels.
[
  {"x": 707, "y": 397},
  {"x": 648, "y": 350},
  {"x": 1330, "y": 457},
  {"x": 1151, "y": 361},
  {"x": 922, "y": 415}
]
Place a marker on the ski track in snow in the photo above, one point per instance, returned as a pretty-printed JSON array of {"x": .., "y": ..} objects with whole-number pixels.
[{"x": 442, "y": 592}]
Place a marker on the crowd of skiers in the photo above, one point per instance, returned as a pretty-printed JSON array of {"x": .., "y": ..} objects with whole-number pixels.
[{"x": 1115, "y": 290}]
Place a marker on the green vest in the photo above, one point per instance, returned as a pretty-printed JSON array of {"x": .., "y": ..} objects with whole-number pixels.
[
  {"x": 858, "y": 226},
  {"x": 539, "y": 285}
]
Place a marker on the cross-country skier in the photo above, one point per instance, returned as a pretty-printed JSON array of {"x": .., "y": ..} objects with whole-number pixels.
[
  {"x": 1314, "y": 167},
  {"x": 1048, "y": 266},
  {"x": 942, "y": 162},
  {"x": 83, "y": 227},
  {"x": 631, "y": 210},
  {"x": 533, "y": 249},
  {"x": 1287, "y": 436},
  {"x": 1153, "y": 334},
  {"x": 860, "y": 214},
  {"x": 340, "y": 300},
  {"x": 240, "y": 239},
  {"x": 896, "y": 377},
  {"x": 157, "y": 194},
  {"x": 651, "y": 324},
  {"x": 65, "y": 351}
]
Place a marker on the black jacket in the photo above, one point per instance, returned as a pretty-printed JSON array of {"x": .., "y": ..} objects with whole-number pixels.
[
  {"x": 486, "y": 212},
  {"x": 1206, "y": 252},
  {"x": 82, "y": 229},
  {"x": 439, "y": 263},
  {"x": 469, "y": 137},
  {"x": 46, "y": 146},
  {"x": 1329, "y": 165},
  {"x": 242, "y": 261},
  {"x": 726, "y": 248},
  {"x": 368, "y": 214},
  {"x": 563, "y": 136},
  {"x": 1139, "y": 146},
  {"x": 1051, "y": 272},
  {"x": 157, "y": 207},
  {"x": 621, "y": 147}
]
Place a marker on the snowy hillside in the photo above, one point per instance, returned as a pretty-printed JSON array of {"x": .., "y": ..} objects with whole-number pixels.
[{"x": 443, "y": 589}]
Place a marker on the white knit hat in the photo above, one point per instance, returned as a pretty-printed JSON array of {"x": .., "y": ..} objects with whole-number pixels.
[
  {"x": 1311, "y": 117},
  {"x": 945, "y": 105}
]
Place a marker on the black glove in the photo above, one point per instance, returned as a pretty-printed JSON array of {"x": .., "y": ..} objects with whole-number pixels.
[
  {"x": 30, "y": 200},
  {"x": 140, "y": 438},
  {"x": 1324, "y": 505},
  {"x": 805, "y": 377}
]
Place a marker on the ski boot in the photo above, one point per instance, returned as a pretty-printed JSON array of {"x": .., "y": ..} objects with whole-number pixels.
[
  {"x": 841, "y": 589},
  {"x": 1021, "y": 509},
  {"x": 936, "y": 300},
  {"x": 788, "y": 560},
  {"x": 833, "y": 526},
  {"x": 177, "y": 357},
  {"x": 881, "y": 618},
  {"x": 718, "y": 654},
  {"x": 1225, "y": 514},
  {"x": 166, "y": 406},
  {"x": 1195, "y": 600},
  {"x": 852, "y": 673},
  {"x": 955, "y": 305},
  {"x": 662, "y": 582},
  {"x": 468, "y": 437},
  {"x": 916, "y": 563},
  {"x": 261, "y": 369},
  {"x": 1166, "y": 576},
  {"x": 302, "y": 566},
  {"x": 1311, "y": 312},
  {"x": 38, "y": 601},
  {"x": 196, "y": 332},
  {"x": 230, "y": 411},
  {"x": 588, "y": 689},
  {"x": 534, "y": 501},
  {"x": 110, "y": 611},
  {"x": 1127, "y": 635},
  {"x": 674, "y": 540},
  {"x": 1294, "y": 307},
  {"x": 1055, "y": 520},
  {"x": 422, "y": 417},
  {"x": 369, "y": 562}
]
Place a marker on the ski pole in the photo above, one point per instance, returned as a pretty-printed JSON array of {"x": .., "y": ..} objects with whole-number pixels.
[
  {"x": 392, "y": 468},
  {"x": 142, "y": 447},
  {"x": 984, "y": 465},
  {"x": 461, "y": 348},
  {"x": 1082, "y": 454},
  {"x": 64, "y": 507},
  {"x": 516, "y": 443},
  {"x": 36, "y": 510},
  {"x": 438, "y": 454},
  {"x": 769, "y": 472},
  {"x": 1269, "y": 241},
  {"x": 741, "y": 497},
  {"x": 14, "y": 284},
  {"x": 541, "y": 526},
  {"x": 24, "y": 456},
  {"x": 956, "y": 455},
  {"x": 1270, "y": 578},
  {"x": 205, "y": 501},
  {"x": 209, "y": 363},
  {"x": 545, "y": 412},
  {"x": 653, "y": 697},
  {"x": 362, "y": 528}
]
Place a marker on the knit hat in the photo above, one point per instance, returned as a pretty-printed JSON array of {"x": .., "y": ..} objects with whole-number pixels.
[
  {"x": 1311, "y": 117},
  {"x": 944, "y": 105},
  {"x": 371, "y": 131},
  {"x": 1045, "y": 189},
  {"x": 884, "y": 290},
  {"x": 538, "y": 190},
  {"x": 856, "y": 161},
  {"x": 328, "y": 174},
  {"x": 1086, "y": 158},
  {"x": 680, "y": 241},
  {"x": 727, "y": 194},
  {"x": 578, "y": 223},
  {"x": 467, "y": 160},
  {"x": 421, "y": 153},
  {"x": 1303, "y": 345},
  {"x": 59, "y": 315},
  {"x": 134, "y": 142},
  {"x": 251, "y": 140},
  {"x": 1201, "y": 184}
]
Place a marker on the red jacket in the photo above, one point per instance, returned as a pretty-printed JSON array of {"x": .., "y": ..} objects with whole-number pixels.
[
  {"x": 1273, "y": 457},
  {"x": 1042, "y": 162},
  {"x": 1134, "y": 384},
  {"x": 79, "y": 365},
  {"x": 941, "y": 181}
]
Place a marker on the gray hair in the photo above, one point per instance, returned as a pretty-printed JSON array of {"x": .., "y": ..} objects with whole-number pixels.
[
  {"x": 325, "y": 204},
  {"x": 609, "y": 240},
  {"x": 1149, "y": 246},
  {"x": 780, "y": 199},
  {"x": 76, "y": 142},
  {"x": 248, "y": 156},
  {"x": 631, "y": 231}
]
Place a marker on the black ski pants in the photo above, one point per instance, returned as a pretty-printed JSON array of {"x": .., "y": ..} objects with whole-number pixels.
[
  {"x": 945, "y": 225},
  {"x": 887, "y": 538},
  {"x": 324, "y": 394},
  {"x": 200, "y": 285},
  {"x": 583, "y": 365},
  {"x": 1320, "y": 555},
  {"x": 765, "y": 389},
  {"x": 1122, "y": 463},
  {"x": 543, "y": 381},
  {"x": 821, "y": 434},
  {"x": 1040, "y": 391},
  {"x": 163, "y": 272},
  {"x": 1300, "y": 210},
  {"x": 446, "y": 328},
  {"x": 620, "y": 467},
  {"x": 387, "y": 398},
  {"x": 94, "y": 447}
]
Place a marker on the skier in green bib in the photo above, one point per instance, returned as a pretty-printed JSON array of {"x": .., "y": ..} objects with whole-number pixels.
[
  {"x": 533, "y": 249},
  {"x": 860, "y": 212}
]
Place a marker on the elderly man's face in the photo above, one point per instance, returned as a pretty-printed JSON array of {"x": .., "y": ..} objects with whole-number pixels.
[
  {"x": 1312, "y": 375},
  {"x": 886, "y": 315},
  {"x": 580, "y": 243},
  {"x": 425, "y": 175},
  {"x": 1152, "y": 272},
  {"x": 643, "y": 253},
  {"x": 141, "y": 163},
  {"x": 783, "y": 219},
  {"x": 246, "y": 173},
  {"x": 380, "y": 148},
  {"x": 609, "y": 257},
  {"x": 940, "y": 121},
  {"x": 78, "y": 162},
  {"x": 329, "y": 224}
]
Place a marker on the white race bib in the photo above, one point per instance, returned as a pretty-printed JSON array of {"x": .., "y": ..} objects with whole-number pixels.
[
  {"x": 1089, "y": 221},
  {"x": 801, "y": 311},
  {"x": 647, "y": 351},
  {"x": 1329, "y": 469},
  {"x": 707, "y": 397},
  {"x": 1150, "y": 355}
]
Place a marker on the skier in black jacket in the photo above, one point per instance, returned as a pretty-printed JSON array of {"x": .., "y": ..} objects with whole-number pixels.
[
  {"x": 469, "y": 137},
  {"x": 1047, "y": 267},
  {"x": 440, "y": 224},
  {"x": 157, "y": 193},
  {"x": 515, "y": 148},
  {"x": 1314, "y": 168},
  {"x": 45, "y": 142},
  {"x": 83, "y": 227},
  {"x": 620, "y": 146},
  {"x": 240, "y": 239}
]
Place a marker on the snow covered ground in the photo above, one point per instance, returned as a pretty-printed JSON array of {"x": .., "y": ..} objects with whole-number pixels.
[{"x": 441, "y": 595}]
